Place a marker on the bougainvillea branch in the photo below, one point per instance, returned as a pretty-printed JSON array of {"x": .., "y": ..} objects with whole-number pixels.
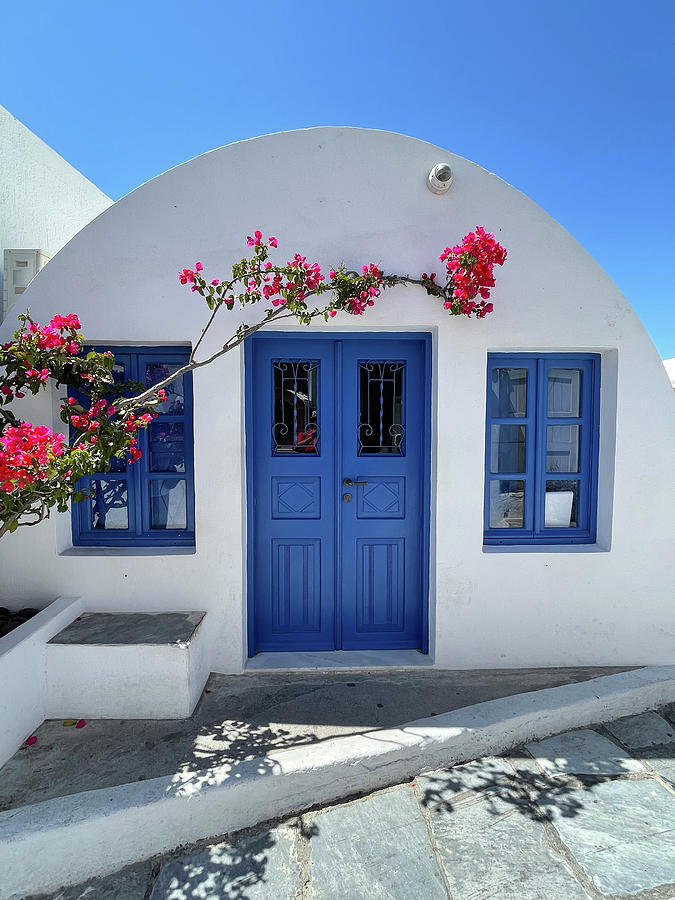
[
  {"x": 39, "y": 468},
  {"x": 289, "y": 288}
]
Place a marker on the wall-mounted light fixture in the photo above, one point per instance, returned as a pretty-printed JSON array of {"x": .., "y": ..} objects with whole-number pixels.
[{"x": 440, "y": 178}]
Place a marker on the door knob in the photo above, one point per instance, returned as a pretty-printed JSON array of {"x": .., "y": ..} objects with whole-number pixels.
[{"x": 349, "y": 483}]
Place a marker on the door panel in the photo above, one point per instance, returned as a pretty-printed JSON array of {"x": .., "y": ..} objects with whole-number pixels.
[
  {"x": 336, "y": 566},
  {"x": 381, "y": 440},
  {"x": 293, "y": 497}
]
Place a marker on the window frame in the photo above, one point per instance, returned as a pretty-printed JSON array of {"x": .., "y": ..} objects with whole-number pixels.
[
  {"x": 537, "y": 418},
  {"x": 139, "y": 475}
]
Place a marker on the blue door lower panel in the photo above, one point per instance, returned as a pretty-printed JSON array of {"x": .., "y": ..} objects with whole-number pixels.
[{"x": 337, "y": 565}]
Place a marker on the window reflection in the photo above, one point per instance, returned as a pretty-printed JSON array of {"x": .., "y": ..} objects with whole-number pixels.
[
  {"x": 507, "y": 504},
  {"x": 564, "y": 392},
  {"x": 562, "y": 502},
  {"x": 109, "y": 504},
  {"x": 168, "y": 503},
  {"x": 562, "y": 448},
  {"x": 167, "y": 447},
  {"x": 174, "y": 405},
  {"x": 509, "y": 393},
  {"x": 507, "y": 449},
  {"x": 295, "y": 426},
  {"x": 381, "y": 426}
]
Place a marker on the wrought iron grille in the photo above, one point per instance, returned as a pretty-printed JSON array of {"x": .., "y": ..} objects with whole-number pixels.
[
  {"x": 381, "y": 412},
  {"x": 295, "y": 426}
]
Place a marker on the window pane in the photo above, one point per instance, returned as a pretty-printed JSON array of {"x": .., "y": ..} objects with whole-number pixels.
[
  {"x": 167, "y": 448},
  {"x": 119, "y": 372},
  {"x": 108, "y": 502},
  {"x": 167, "y": 503},
  {"x": 381, "y": 428},
  {"x": 562, "y": 501},
  {"x": 509, "y": 393},
  {"x": 562, "y": 448},
  {"x": 117, "y": 464},
  {"x": 564, "y": 392},
  {"x": 295, "y": 427},
  {"x": 507, "y": 504},
  {"x": 507, "y": 449},
  {"x": 174, "y": 405}
]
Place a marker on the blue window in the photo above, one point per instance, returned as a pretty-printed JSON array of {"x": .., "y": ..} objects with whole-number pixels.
[
  {"x": 541, "y": 448},
  {"x": 150, "y": 502}
]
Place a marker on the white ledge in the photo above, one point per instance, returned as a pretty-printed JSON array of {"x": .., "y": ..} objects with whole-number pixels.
[{"x": 128, "y": 551}]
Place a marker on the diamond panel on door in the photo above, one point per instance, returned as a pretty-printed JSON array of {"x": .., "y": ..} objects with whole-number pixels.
[
  {"x": 382, "y": 498},
  {"x": 296, "y": 498}
]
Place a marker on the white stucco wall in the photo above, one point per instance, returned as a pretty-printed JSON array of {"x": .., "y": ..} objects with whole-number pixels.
[
  {"x": 359, "y": 196},
  {"x": 23, "y": 673},
  {"x": 44, "y": 201}
]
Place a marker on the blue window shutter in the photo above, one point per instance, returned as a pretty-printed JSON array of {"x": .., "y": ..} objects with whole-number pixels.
[
  {"x": 559, "y": 466},
  {"x": 160, "y": 486}
]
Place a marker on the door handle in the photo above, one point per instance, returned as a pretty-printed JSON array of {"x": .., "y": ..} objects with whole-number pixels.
[{"x": 349, "y": 483}]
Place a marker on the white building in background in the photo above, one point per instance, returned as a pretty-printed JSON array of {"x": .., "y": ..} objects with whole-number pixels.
[
  {"x": 492, "y": 493},
  {"x": 44, "y": 201},
  {"x": 670, "y": 369}
]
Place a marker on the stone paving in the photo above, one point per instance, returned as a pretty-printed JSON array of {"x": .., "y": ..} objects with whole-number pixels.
[{"x": 585, "y": 814}]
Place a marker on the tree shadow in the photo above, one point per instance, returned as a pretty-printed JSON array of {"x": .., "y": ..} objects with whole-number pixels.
[
  {"x": 226, "y": 870},
  {"x": 232, "y": 749},
  {"x": 234, "y": 869},
  {"x": 502, "y": 787}
]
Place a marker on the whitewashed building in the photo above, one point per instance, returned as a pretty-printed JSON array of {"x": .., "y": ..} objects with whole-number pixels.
[
  {"x": 44, "y": 201},
  {"x": 511, "y": 500}
]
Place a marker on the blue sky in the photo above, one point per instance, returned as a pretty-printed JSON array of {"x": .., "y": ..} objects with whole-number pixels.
[{"x": 573, "y": 102}]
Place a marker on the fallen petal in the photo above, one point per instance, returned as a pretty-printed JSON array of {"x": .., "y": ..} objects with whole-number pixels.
[{"x": 80, "y": 723}]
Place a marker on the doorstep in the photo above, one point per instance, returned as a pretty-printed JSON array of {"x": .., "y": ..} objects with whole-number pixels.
[{"x": 290, "y": 661}]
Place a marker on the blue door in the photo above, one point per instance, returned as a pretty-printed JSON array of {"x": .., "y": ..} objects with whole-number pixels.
[{"x": 337, "y": 453}]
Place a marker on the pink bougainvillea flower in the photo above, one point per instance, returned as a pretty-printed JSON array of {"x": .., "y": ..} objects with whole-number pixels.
[
  {"x": 273, "y": 242},
  {"x": 198, "y": 267}
]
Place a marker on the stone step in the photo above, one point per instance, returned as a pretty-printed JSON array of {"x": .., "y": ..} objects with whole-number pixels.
[{"x": 130, "y": 665}]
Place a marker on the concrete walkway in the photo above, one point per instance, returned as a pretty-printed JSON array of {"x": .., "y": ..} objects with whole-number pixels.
[
  {"x": 585, "y": 814},
  {"x": 245, "y": 716}
]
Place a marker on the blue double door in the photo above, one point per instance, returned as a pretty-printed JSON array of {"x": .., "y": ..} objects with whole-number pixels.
[{"x": 337, "y": 450}]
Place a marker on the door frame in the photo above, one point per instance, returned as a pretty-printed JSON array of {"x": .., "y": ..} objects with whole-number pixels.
[{"x": 426, "y": 338}]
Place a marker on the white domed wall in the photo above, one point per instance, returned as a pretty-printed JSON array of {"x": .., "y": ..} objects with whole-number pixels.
[{"x": 355, "y": 196}]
